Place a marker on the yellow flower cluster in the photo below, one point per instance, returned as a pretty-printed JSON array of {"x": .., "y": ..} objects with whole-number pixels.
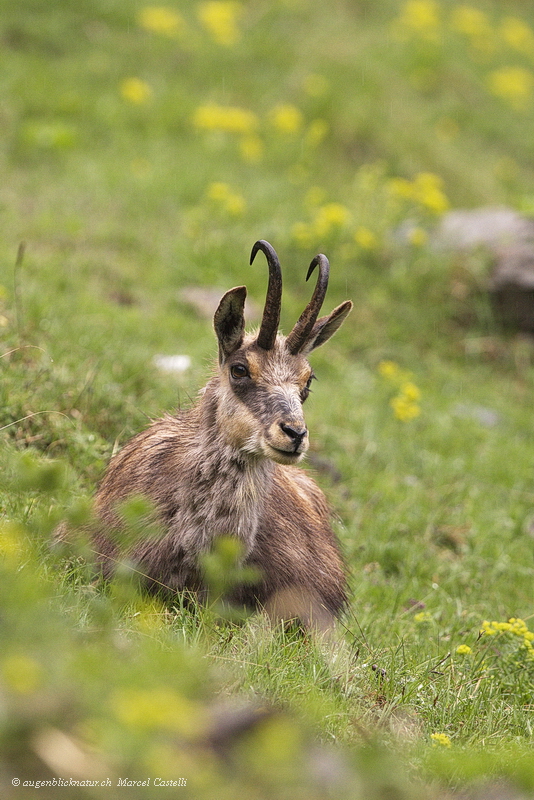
[
  {"x": 405, "y": 403},
  {"x": 390, "y": 370},
  {"x": 514, "y": 85},
  {"x": 463, "y": 650},
  {"x": 13, "y": 543},
  {"x": 226, "y": 199},
  {"x": 440, "y": 739},
  {"x": 425, "y": 19},
  {"x": 475, "y": 25},
  {"x": 366, "y": 238},
  {"x": 328, "y": 219},
  {"x": 420, "y": 17},
  {"x": 21, "y": 674},
  {"x": 153, "y": 709},
  {"x": 228, "y": 119},
  {"x": 422, "y": 616},
  {"x": 162, "y": 20},
  {"x": 135, "y": 91},
  {"x": 518, "y": 35},
  {"x": 220, "y": 18},
  {"x": 286, "y": 118},
  {"x": 516, "y": 627},
  {"x": 426, "y": 190}
]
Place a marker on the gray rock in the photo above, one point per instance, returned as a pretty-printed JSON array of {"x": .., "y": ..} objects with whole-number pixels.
[
  {"x": 508, "y": 238},
  {"x": 469, "y": 229}
]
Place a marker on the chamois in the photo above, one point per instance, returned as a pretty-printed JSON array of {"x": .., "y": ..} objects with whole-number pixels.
[{"x": 226, "y": 466}]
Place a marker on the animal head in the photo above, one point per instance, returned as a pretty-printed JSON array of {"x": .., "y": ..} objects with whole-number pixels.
[{"x": 265, "y": 377}]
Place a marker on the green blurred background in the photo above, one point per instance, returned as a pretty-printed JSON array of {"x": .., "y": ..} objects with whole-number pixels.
[{"x": 144, "y": 149}]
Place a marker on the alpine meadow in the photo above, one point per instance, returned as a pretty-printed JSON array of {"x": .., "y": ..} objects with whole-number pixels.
[{"x": 144, "y": 150}]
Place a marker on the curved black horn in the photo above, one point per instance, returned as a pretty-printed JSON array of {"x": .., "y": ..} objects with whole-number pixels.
[
  {"x": 303, "y": 327},
  {"x": 273, "y": 300}
]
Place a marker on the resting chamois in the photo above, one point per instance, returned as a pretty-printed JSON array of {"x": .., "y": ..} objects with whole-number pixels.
[{"x": 227, "y": 466}]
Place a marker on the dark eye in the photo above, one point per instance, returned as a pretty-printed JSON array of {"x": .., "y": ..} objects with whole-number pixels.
[
  {"x": 305, "y": 392},
  {"x": 239, "y": 371}
]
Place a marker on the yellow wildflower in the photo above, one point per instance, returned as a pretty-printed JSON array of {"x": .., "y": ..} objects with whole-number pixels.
[
  {"x": 286, "y": 118},
  {"x": 474, "y": 23},
  {"x": 518, "y": 626},
  {"x": 404, "y": 404},
  {"x": 410, "y": 391},
  {"x": 420, "y": 17},
  {"x": 22, "y": 674},
  {"x": 161, "y": 19},
  {"x": 440, "y": 739},
  {"x": 235, "y": 205},
  {"x": 487, "y": 629},
  {"x": 329, "y": 218},
  {"x": 220, "y": 18},
  {"x": 365, "y": 238},
  {"x": 218, "y": 191},
  {"x": 422, "y": 616},
  {"x": 152, "y": 709},
  {"x": 400, "y": 187},
  {"x": 470, "y": 21},
  {"x": 389, "y": 369},
  {"x": 135, "y": 91},
  {"x": 229, "y": 119},
  {"x": 518, "y": 35},
  {"x": 514, "y": 625},
  {"x": 229, "y": 201},
  {"x": 502, "y": 626},
  {"x": 13, "y": 542},
  {"x": 428, "y": 192},
  {"x": 404, "y": 409},
  {"x": 463, "y": 650},
  {"x": 514, "y": 85}
]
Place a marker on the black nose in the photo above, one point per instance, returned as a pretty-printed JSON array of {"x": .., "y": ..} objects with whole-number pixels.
[{"x": 295, "y": 434}]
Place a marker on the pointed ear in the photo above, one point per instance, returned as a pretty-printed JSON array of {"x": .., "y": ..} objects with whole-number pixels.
[
  {"x": 229, "y": 321},
  {"x": 325, "y": 327}
]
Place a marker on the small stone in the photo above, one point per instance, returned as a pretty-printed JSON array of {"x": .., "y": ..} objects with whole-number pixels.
[{"x": 172, "y": 363}]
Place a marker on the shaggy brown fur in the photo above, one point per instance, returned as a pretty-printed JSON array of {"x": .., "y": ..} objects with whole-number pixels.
[{"x": 227, "y": 466}]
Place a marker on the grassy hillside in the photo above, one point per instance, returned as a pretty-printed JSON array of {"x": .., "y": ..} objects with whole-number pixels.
[{"x": 144, "y": 150}]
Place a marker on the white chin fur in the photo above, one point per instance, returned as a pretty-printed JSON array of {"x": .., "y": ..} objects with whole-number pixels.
[
  {"x": 280, "y": 457},
  {"x": 262, "y": 448}
]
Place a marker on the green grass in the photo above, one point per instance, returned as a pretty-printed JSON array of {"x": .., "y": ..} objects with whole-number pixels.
[{"x": 115, "y": 202}]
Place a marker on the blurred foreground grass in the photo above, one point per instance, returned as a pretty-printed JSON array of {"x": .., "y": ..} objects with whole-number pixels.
[{"x": 144, "y": 150}]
